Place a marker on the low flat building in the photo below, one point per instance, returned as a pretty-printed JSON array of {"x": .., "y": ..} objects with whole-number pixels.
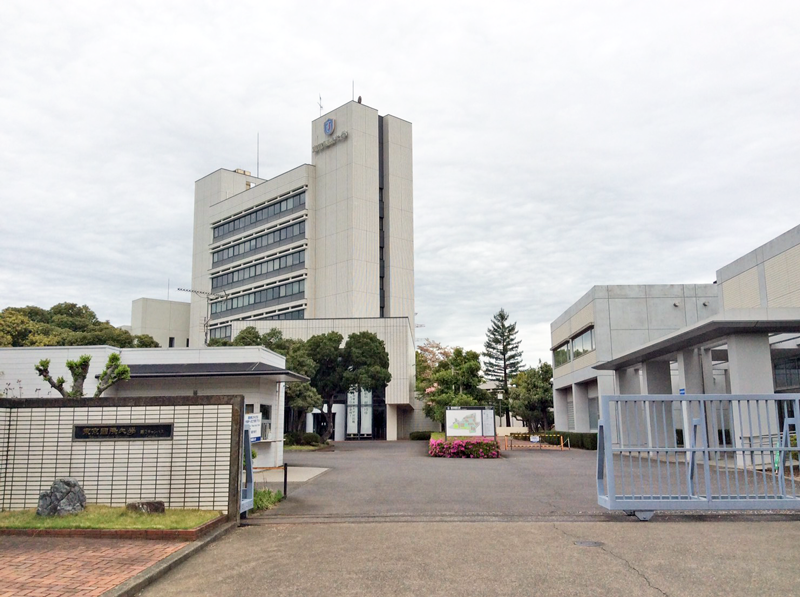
[
  {"x": 254, "y": 372},
  {"x": 740, "y": 335}
]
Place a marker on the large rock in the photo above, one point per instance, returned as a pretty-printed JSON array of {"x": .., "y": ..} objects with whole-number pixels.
[
  {"x": 156, "y": 507},
  {"x": 65, "y": 496}
]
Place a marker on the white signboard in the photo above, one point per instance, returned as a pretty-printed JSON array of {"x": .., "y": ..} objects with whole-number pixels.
[
  {"x": 252, "y": 421},
  {"x": 488, "y": 422}
]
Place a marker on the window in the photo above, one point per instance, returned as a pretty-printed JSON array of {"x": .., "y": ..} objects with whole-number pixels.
[
  {"x": 583, "y": 344},
  {"x": 262, "y": 296},
  {"x": 259, "y": 242},
  {"x": 561, "y": 355},
  {"x": 171, "y": 342},
  {"x": 265, "y": 213}
]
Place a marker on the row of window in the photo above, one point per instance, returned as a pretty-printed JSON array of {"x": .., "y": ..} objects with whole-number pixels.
[
  {"x": 289, "y": 315},
  {"x": 261, "y": 296},
  {"x": 223, "y": 331},
  {"x": 265, "y": 213},
  {"x": 260, "y": 241},
  {"x": 574, "y": 348},
  {"x": 265, "y": 267}
]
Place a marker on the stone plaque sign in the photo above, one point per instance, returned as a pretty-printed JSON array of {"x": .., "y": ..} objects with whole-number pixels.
[{"x": 130, "y": 431}]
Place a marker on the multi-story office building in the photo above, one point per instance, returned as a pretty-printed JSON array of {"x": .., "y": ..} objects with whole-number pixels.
[
  {"x": 740, "y": 335},
  {"x": 325, "y": 246}
]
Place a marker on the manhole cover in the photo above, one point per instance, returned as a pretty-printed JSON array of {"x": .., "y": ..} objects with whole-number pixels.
[{"x": 588, "y": 544}]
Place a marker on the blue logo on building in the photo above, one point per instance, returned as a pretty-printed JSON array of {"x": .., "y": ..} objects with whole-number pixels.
[{"x": 330, "y": 124}]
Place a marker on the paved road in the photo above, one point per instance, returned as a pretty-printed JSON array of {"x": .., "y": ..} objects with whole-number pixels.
[
  {"x": 388, "y": 520},
  {"x": 399, "y": 479},
  {"x": 495, "y": 559}
]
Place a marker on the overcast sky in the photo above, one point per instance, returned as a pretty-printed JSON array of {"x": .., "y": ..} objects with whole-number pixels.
[{"x": 557, "y": 145}]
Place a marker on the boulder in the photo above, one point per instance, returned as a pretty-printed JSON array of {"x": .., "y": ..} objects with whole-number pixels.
[
  {"x": 155, "y": 507},
  {"x": 65, "y": 496}
]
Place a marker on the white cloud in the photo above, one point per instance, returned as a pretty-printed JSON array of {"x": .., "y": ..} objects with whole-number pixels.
[{"x": 557, "y": 145}]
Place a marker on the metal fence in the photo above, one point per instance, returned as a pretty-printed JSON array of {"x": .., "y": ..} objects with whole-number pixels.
[{"x": 698, "y": 452}]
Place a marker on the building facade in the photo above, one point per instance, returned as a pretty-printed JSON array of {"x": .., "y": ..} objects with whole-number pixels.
[
  {"x": 327, "y": 246},
  {"x": 166, "y": 321},
  {"x": 740, "y": 335},
  {"x": 256, "y": 373}
]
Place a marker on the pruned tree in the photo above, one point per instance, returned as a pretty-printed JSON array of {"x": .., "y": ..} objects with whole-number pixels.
[
  {"x": 328, "y": 379},
  {"x": 502, "y": 356},
  {"x": 113, "y": 373}
]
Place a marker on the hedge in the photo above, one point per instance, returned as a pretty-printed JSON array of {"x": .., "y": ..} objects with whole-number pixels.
[
  {"x": 585, "y": 441},
  {"x": 420, "y": 435}
]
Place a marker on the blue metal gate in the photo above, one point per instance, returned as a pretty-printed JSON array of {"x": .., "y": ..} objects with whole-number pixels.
[{"x": 698, "y": 452}]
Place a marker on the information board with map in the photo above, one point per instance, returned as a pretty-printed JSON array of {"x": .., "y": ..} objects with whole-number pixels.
[{"x": 469, "y": 421}]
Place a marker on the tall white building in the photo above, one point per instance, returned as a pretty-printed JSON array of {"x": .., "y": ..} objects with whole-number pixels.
[{"x": 326, "y": 246}]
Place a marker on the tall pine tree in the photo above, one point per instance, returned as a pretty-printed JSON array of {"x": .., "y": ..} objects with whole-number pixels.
[{"x": 502, "y": 356}]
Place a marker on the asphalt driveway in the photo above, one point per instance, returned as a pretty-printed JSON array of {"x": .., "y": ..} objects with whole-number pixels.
[{"x": 398, "y": 480}]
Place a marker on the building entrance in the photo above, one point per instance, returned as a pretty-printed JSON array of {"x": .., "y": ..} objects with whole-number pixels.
[{"x": 366, "y": 415}]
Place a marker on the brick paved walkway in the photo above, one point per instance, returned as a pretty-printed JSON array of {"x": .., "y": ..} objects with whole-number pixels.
[{"x": 56, "y": 566}]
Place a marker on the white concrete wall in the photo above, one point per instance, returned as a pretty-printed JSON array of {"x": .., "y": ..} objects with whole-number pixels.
[
  {"x": 162, "y": 320},
  {"x": 192, "y": 470}
]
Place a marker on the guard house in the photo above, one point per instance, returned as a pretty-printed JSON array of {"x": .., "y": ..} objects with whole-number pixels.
[{"x": 256, "y": 373}]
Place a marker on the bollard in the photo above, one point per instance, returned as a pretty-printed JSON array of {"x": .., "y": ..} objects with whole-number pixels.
[{"x": 285, "y": 479}]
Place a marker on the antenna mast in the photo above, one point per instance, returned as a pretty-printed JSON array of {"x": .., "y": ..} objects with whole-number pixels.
[
  {"x": 258, "y": 153},
  {"x": 320, "y": 104},
  {"x": 209, "y": 296}
]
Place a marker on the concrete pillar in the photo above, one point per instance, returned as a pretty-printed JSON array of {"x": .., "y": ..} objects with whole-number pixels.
[
  {"x": 580, "y": 401},
  {"x": 690, "y": 372},
  {"x": 750, "y": 364},
  {"x": 628, "y": 381},
  {"x": 708, "y": 372},
  {"x": 560, "y": 415},
  {"x": 391, "y": 422},
  {"x": 657, "y": 417},
  {"x": 656, "y": 377},
  {"x": 750, "y": 370}
]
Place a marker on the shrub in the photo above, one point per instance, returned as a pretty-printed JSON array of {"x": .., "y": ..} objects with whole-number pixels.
[
  {"x": 293, "y": 438},
  {"x": 420, "y": 435},
  {"x": 479, "y": 447},
  {"x": 311, "y": 439},
  {"x": 264, "y": 499},
  {"x": 584, "y": 441}
]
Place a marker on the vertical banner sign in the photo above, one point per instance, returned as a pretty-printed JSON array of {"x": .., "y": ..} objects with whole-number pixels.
[
  {"x": 252, "y": 421},
  {"x": 352, "y": 412},
  {"x": 366, "y": 412}
]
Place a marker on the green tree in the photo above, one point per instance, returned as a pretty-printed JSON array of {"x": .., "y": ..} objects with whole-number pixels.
[
  {"x": 301, "y": 397},
  {"x": 362, "y": 361},
  {"x": 502, "y": 357},
  {"x": 531, "y": 396},
  {"x": 328, "y": 379},
  {"x": 428, "y": 356},
  {"x": 114, "y": 372},
  {"x": 249, "y": 336},
  {"x": 456, "y": 382},
  {"x": 145, "y": 341}
]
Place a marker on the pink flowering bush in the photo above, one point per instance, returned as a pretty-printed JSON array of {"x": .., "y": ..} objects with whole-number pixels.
[{"x": 476, "y": 447}]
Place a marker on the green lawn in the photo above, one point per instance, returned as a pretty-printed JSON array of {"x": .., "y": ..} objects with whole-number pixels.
[
  {"x": 302, "y": 448},
  {"x": 105, "y": 517}
]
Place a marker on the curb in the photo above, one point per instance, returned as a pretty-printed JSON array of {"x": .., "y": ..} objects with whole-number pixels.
[{"x": 133, "y": 585}]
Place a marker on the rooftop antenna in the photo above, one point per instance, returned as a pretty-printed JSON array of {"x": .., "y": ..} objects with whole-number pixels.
[
  {"x": 353, "y": 97},
  {"x": 209, "y": 296},
  {"x": 258, "y": 153},
  {"x": 320, "y": 104}
]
